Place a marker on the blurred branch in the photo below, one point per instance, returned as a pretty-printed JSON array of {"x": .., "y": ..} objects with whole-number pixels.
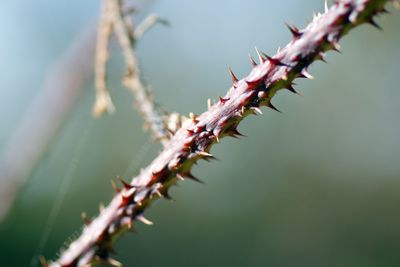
[
  {"x": 114, "y": 20},
  {"x": 147, "y": 24},
  {"x": 48, "y": 111},
  {"x": 195, "y": 138},
  {"x": 45, "y": 116}
]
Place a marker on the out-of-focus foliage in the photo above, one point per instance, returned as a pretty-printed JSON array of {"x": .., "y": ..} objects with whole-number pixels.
[{"x": 318, "y": 185}]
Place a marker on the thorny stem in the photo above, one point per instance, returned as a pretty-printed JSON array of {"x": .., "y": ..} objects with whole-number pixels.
[
  {"x": 196, "y": 136},
  {"x": 113, "y": 20}
]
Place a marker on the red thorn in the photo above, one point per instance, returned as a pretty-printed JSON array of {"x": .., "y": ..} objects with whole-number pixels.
[
  {"x": 234, "y": 78},
  {"x": 190, "y": 131},
  {"x": 269, "y": 104},
  {"x": 275, "y": 61},
  {"x": 252, "y": 84},
  {"x": 296, "y": 33},
  {"x": 252, "y": 61},
  {"x": 125, "y": 200},
  {"x": 223, "y": 100},
  {"x": 200, "y": 128},
  {"x": 125, "y": 184}
]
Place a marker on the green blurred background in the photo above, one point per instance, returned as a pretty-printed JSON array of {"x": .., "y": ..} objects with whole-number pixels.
[{"x": 318, "y": 185}]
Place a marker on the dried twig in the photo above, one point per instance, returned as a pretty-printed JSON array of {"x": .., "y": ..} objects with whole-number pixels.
[
  {"x": 147, "y": 24},
  {"x": 194, "y": 139},
  {"x": 103, "y": 100},
  {"x": 113, "y": 20}
]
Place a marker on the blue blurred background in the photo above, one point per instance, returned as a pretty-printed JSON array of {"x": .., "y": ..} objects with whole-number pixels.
[{"x": 318, "y": 185}]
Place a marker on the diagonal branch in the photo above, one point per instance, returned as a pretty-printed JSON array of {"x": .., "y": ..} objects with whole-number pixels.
[{"x": 194, "y": 139}]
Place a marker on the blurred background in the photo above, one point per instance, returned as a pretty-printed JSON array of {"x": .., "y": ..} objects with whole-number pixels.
[{"x": 318, "y": 185}]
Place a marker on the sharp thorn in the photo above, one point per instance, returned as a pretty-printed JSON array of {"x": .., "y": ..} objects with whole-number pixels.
[
  {"x": 326, "y": 6},
  {"x": 296, "y": 33},
  {"x": 158, "y": 193},
  {"x": 257, "y": 110},
  {"x": 115, "y": 187},
  {"x": 180, "y": 177},
  {"x": 321, "y": 56},
  {"x": 190, "y": 176},
  {"x": 336, "y": 47},
  {"x": 113, "y": 262},
  {"x": 234, "y": 78},
  {"x": 252, "y": 61},
  {"x": 276, "y": 62},
  {"x": 307, "y": 75},
  {"x": 144, "y": 219},
  {"x": 126, "y": 185},
  {"x": 269, "y": 104},
  {"x": 167, "y": 196},
  {"x": 373, "y": 23},
  {"x": 261, "y": 56},
  {"x": 291, "y": 89},
  {"x": 204, "y": 153},
  {"x": 235, "y": 132}
]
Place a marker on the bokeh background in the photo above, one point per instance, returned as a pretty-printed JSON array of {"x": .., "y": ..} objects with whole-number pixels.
[{"x": 318, "y": 185}]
